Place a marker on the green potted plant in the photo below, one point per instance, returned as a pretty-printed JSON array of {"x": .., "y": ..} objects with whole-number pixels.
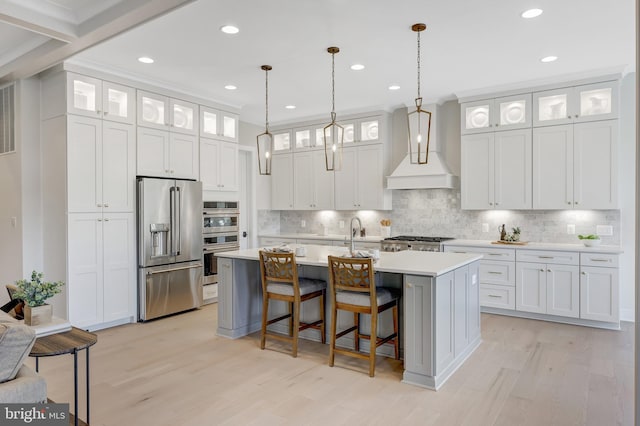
[
  {"x": 591, "y": 240},
  {"x": 35, "y": 292}
]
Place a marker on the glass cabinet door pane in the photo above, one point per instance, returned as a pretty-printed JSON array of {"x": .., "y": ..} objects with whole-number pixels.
[
  {"x": 348, "y": 135},
  {"x": 320, "y": 136},
  {"x": 182, "y": 116},
  {"x": 281, "y": 142},
  {"x": 84, "y": 95},
  {"x": 303, "y": 139},
  {"x": 513, "y": 112},
  {"x": 153, "y": 110},
  {"x": 595, "y": 102},
  {"x": 117, "y": 103},
  {"x": 209, "y": 122},
  {"x": 552, "y": 107},
  {"x": 228, "y": 127},
  {"x": 368, "y": 130},
  {"x": 477, "y": 117}
]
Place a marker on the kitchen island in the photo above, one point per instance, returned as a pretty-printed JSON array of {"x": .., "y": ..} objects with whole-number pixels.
[{"x": 440, "y": 310}]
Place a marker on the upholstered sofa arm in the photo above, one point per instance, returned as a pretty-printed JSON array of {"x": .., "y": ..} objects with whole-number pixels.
[{"x": 27, "y": 387}]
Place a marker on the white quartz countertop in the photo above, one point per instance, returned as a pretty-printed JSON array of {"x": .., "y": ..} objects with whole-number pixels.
[
  {"x": 403, "y": 262},
  {"x": 537, "y": 246},
  {"x": 330, "y": 237}
]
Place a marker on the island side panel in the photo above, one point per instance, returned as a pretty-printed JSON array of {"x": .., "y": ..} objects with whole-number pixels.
[
  {"x": 418, "y": 346},
  {"x": 240, "y": 297}
]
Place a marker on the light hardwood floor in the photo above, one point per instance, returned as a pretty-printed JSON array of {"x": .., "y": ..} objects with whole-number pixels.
[{"x": 176, "y": 371}]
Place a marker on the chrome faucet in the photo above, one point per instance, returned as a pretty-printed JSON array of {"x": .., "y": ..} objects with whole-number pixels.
[{"x": 353, "y": 231}]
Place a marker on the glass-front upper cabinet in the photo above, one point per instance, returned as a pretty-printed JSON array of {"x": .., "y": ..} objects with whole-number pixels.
[
  {"x": 304, "y": 138},
  {"x": 576, "y": 104},
  {"x": 96, "y": 98},
  {"x": 184, "y": 116},
  {"x": 361, "y": 130},
  {"x": 218, "y": 124},
  {"x": 281, "y": 141},
  {"x": 153, "y": 110},
  {"x": 491, "y": 115}
]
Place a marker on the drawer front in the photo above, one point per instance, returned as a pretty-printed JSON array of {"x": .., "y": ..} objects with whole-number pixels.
[
  {"x": 274, "y": 242},
  {"x": 489, "y": 253},
  {"x": 497, "y": 296},
  {"x": 599, "y": 259},
  {"x": 549, "y": 257},
  {"x": 315, "y": 242},
  {"x": 210, "y": 291},
  {"x": 498, "y": 273}
]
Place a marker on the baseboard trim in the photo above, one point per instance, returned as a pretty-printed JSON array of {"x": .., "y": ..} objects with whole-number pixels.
[{"x": 552, "y": 318}]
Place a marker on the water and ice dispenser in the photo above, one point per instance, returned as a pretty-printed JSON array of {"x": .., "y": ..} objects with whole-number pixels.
[{"x": 159, "y": 239}]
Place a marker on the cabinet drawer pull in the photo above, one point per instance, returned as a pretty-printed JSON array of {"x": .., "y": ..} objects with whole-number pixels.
[
  {"x": 494, "y": 296},
  {"x": 545, "y": 257},
  {"x": 495, "y": 254},
  {"x": 495, "y": 272},
  {"x": 463, "y": 252},
  {"x": 599, "y": 260}
]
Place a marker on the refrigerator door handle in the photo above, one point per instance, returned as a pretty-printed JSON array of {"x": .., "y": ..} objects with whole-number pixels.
[
  {"x": 172, "y": 218},
  {"x": 179, "y": 221},
  {"x": 163, "y": 271}
]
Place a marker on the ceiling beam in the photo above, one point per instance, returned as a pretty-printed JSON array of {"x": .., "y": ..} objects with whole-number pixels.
[{"x": 113, "y": 21}]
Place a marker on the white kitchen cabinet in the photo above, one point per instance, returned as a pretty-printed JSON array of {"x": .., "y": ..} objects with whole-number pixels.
[
  {"x": 183, "y": 116},
  {"x": 496, "y": 170},
  {"x": 576, "y": 166},
  {"x": 548, "y": 288},
  {"x": 363, "y": 130},
  {"x": 93, "y": 97},
  {"x": 490, "y": 115},
  {"x": 218, "y": 165},
  {"x": 576, "y": 104},
  {"x": 100, "y": 165},
  {"x": 101, "y": 284},
  {"x": 359, "y": 184},
  {"x": 599, "y": 294},
  {"x": 313, "y": 185},
  {"x": 282, "y": 141},
  {"x": 282, "y": 182},
  {"x": 218, "y": 124},
  {"x": 164, "y": 154},
  {"x": 165, "y": 113}
]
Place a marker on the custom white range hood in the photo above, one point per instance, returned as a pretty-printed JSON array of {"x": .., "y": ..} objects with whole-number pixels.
[{"x": 434, "y": 174}]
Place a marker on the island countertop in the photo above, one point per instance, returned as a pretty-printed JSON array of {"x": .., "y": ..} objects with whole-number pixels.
[{"x": 402, "y": 262}]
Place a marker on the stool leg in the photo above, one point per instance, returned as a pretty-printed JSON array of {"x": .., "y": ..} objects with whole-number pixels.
[
  {"x": 373, "y": 340},
  {"x": 332, "y": 339},
  {"x": 265, "y": 310},
  {"x": 296, "y": 327},
  {"x": 290, "y": 307},
  {"x": 356, "y": 338},
  {"x": 323, "y": 333},
  {"x": 87, "y": 355},
  {"x": 396, "y": 341}
]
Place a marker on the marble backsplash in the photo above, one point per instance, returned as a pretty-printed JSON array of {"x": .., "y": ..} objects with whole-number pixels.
[{"x": 436, "y": 212}]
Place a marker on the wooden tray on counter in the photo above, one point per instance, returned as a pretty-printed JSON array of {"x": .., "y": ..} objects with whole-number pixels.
[{"x": 513, "y": 243}]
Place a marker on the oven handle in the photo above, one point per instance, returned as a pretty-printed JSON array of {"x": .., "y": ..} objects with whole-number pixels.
[{"x": 220, "y": 248}]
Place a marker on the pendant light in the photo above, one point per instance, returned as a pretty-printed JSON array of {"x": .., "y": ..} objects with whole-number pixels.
[
  {"x": 419, "y": 120},
  {"x": 265, "y": 140},
  {"x": 333, "y": 132}
]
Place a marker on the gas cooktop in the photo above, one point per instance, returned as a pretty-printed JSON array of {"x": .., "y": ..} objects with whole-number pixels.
[{"x": 419, "y": 239}]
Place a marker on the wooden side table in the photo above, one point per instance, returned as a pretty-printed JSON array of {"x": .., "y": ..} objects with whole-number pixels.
[{"x": 69, "y": 342}]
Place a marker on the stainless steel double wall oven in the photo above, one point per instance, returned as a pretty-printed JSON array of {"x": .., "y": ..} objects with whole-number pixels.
[{"x": 219, "y": 233}]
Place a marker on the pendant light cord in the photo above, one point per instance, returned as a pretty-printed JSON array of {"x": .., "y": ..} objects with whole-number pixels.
[
  {"x": 333, "y": 85},
  {"x": 418, "y": 63},
  {"x": 266, "y": 100}
]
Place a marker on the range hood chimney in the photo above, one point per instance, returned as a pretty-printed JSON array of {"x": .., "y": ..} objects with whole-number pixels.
[{"x": 434, "y": 174}]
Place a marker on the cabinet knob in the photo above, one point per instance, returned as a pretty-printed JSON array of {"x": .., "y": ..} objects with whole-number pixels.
[
  {"x": 575, "y": 202},
  {"x": 490, "y": 204},
  {"x": 106, "y": 220},
  {"x": 98, "y": 111},
  {"x": 584, "y": 273},
  {"x": 172, "y": 171},
  {"x": 106, "y": 113},
  {"x": 497, "y": 124},
  {"x": 490, "y": 125},
  {"x": 569, "y": 202},
  {"x": 99, "y": 220},
  {"x": 166, "y": 170},
  {"x": 548, "y": 270},
  {"x": 106, "y": 205},
  {"x": 576, "y": 116},
  {"x": 568, "y": 116},
  {"x": 541, "y": 270},
  {"x": 496, "y": 204},
  {"x": 409, "y": 285},
  {"x": 98, "y": 205}
]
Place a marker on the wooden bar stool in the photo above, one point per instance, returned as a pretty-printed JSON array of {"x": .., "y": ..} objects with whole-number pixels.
[
  {"x": 280, "y": 281},
  {"x": 352, "y": 287}
]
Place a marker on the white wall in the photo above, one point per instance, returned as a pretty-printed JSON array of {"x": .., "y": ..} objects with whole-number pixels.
[
  {"x": 628, "y": 195},
  {"x": 247, "y": 136}
]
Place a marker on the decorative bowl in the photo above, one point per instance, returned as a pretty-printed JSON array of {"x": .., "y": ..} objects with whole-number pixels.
[{"x": 591, "y": 243}]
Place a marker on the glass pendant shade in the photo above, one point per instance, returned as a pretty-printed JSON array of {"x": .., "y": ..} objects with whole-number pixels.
[
  {"x": 419, "y": 125},
  {"x": 265, "y": 152},
  {"x": 265, "y": 140},
  {"x": 333, "y": 142}
]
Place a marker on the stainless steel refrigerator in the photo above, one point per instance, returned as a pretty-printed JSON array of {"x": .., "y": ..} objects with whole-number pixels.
[{"x": 169, "y": 246}]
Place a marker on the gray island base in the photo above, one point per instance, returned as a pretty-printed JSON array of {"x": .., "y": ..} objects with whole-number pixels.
[{"x": 440, "y": 309}]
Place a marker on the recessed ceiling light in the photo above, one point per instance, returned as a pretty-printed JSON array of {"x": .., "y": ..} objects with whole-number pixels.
[
  {"x": 549, "y": 59},
  {"x": 229, "y": 29},
  {"x": 145, "y": 60},
  {"x": 230, "y": 87},
  {"x": 290, "y": 107},
  {"x": 357, "y": 67},
  {"x": 394, "y": 87},
  {"x": 531, "y": 13}
]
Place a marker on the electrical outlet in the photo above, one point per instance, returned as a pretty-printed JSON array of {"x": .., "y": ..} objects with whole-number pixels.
[
  {"x": 571, "y": 229},
  {"x": 342, "y": 224},
  {"x": 485, "y": 227},
  {"x": 604, "y": 230},
  {"x": 303, "y": 223}
]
